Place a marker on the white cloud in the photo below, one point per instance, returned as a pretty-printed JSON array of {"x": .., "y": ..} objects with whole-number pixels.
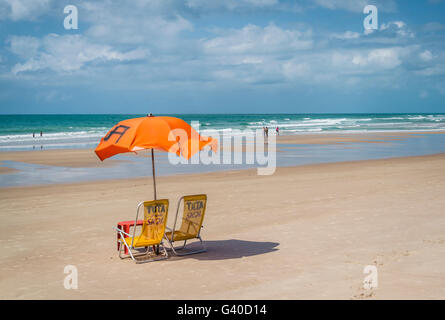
[
  {"x": 398, "y": 28},
  {"x": 130, "y": 31},
  {"x": 230, "y": 4},
  {"x": 386, "y": 58},
  {"x": 23, "y": 46},
  {"x": 253, "y": 39},
  {"x": 23, "y": 9},
  {"x": 437, "y": 70},
  {"x": 151, "y": 23},
  {"x": 70, "y": 53},
  {"x": 295, "y": 69},
  {"x": 426, "y": 55},
  {"x": 255, "y": 54},
  {"x": 398, "y": 24},
  {"x": 361, "y": 62},
  {"x": 356, "y": 5},
  {"x": 347, "y": 35},
  {"x": 272, "y": 54},
  {"x": 155, "y": 31}
]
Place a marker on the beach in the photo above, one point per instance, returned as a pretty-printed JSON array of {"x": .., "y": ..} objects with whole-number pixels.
[
  {"x": 311, "y": 135},
  {"x": 304, "y": 232}
]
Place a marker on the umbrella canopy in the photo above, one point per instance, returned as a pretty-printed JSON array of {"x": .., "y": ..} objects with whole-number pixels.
[{"x": 162, "y": 133}]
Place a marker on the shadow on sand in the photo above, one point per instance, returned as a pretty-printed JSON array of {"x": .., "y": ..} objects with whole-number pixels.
[{"x": 231, "y": 249}]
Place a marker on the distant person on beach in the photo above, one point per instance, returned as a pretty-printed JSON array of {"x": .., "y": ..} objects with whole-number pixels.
[
  {"x": 33, "y": 134},
  {"x": 278, "y": 131},
  {"x": 267, "y": 131},
  {"x": 41, "y": 133}
]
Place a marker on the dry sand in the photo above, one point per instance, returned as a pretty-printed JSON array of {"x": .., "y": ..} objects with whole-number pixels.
[{"x": 304, "y": 232}]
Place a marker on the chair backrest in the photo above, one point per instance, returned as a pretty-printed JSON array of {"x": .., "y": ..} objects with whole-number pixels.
[
  {"x": 194, "y": 210},
  {"x": 155, "y": 220}
]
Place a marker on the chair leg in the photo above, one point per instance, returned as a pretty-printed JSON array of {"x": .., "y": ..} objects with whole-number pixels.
[
  {"x": 120, "y": 250},
  {"x": 133, "y": 256},
  {"x": 203, "y": 248},
  {"x": 170, "y": 243},
  {"x": 130, "y": 255},
  {"x": 130, "y": 252},
  {"x": 183, "y": 246},
  {"x": 124, "y": 243},
  {"x": 163, "y": 257}
]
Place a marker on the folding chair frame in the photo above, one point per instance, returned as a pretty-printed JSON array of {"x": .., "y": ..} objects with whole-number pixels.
[
  {"x": 171, "y": 241},
  {"x": 131, "y": 247}
]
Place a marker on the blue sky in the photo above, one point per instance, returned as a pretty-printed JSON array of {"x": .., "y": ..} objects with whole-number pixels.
[{"x": 231, "y": 56}]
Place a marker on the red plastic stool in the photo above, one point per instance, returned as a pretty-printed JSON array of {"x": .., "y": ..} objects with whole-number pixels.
[{"x": 125, "y": 226}]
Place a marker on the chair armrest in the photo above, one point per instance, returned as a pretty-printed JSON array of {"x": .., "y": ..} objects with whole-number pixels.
[{"x": 120, "y": 231}]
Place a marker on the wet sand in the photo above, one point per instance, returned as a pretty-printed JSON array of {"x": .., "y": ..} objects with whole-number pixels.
[
  {"x": 4, "y": 170},
  {"x": 336, "y": 138},
  {"x": 77, "y": 158}
]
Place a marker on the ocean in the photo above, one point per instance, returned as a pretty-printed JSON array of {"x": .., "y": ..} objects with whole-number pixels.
[{"x": 85, "y": 131}]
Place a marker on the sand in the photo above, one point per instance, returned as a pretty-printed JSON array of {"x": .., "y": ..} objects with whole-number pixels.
[
  {"x": 6, "y": 170},
  {"x": 340, "y": 138},
  {"x": 77, "y": 158},
  {"x": 304, "y": 232}
]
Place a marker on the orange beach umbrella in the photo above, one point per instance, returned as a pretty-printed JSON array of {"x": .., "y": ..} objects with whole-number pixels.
[{"x": 162, "y": 133}]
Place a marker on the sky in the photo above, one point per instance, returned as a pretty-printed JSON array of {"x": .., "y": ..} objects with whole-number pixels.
[{"x": 222, "y": 56}]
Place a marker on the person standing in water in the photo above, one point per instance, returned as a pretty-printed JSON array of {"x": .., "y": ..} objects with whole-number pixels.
[{"x": 278, "y": 131}]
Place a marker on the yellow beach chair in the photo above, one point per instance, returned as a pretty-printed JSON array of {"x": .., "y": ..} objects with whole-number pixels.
[
  {"x": 151, "y": 235},
  {"x": 192, "y": 218}
]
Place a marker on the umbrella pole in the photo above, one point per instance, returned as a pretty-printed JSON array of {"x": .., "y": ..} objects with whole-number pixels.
[
  {"x": 155, "y": 248},
  {"x": 154, "y": 174}
]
